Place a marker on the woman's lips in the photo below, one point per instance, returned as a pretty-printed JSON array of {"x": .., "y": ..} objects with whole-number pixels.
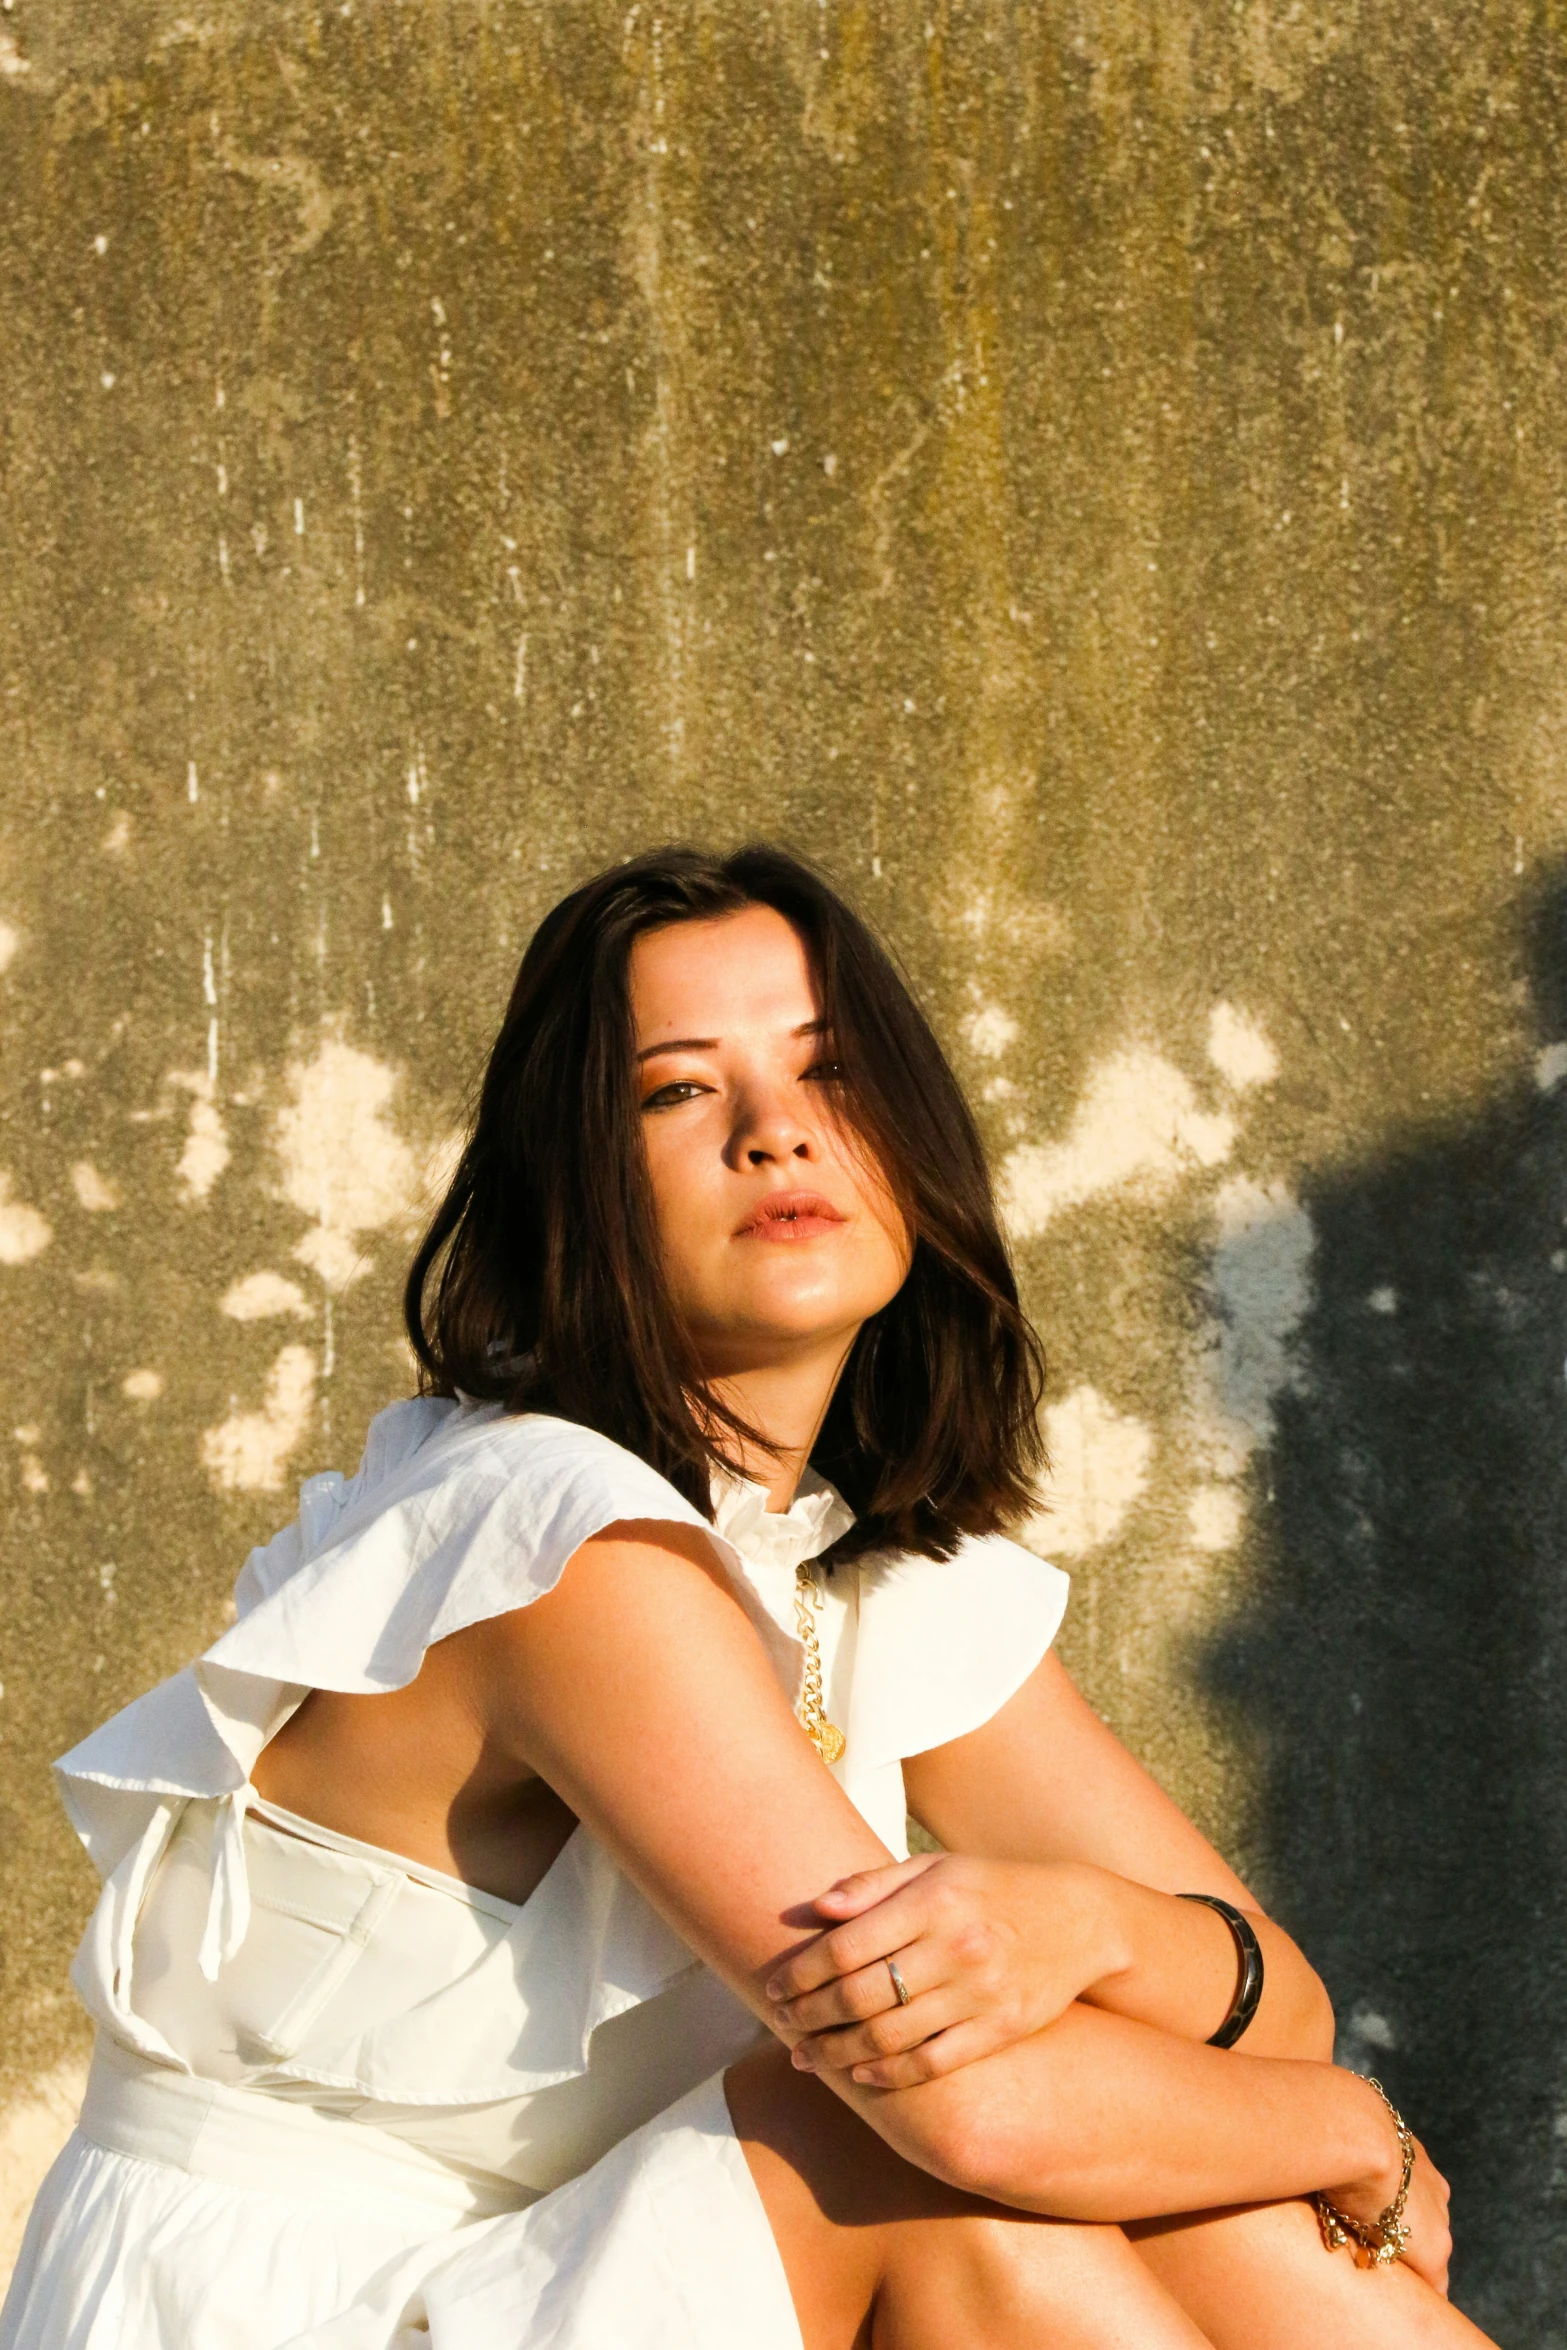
[{"x": 791, "y": 1215}]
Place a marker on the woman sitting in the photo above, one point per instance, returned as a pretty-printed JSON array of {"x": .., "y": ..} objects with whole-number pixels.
[{"x": 507, "y": 1936}]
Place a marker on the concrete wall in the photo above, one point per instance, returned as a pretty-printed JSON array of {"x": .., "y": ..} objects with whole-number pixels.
[{"x": 1093, "y": 474}]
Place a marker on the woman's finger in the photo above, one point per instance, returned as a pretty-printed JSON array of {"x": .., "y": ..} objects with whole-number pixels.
[
  {"x": 888, "y": 2034},
  {"x": 866, "y": 1887},
  {"x": 850, "y": 1999},
  {"x": 942, "y": 2052},
  {"x": 1431, "y": 2244},
  {"x": 900, "y": 1917}
]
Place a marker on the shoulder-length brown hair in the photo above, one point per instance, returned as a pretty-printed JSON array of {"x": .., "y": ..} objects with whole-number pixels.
[{"x": 538, "y": 1282}]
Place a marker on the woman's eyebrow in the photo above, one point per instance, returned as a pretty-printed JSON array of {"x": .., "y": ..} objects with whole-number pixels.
[
  {"x": 710, "y": 1044},
  {"x": 679, "y": 1044}
]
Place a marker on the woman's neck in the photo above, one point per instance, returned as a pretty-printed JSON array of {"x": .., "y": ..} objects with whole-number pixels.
[{"x": 786, "y": 1402}]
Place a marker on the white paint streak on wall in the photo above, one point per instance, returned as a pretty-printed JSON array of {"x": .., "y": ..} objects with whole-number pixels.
[
  {"x": 206, "y": 1151},
  {"x": 989, "y": 1031},
  {"x": 248, "y": 1452},
  {"x": 1260, "y": 1286},
  {"x": 143, "y": 1386},
  {"x": 94, "y": 1191},
  {"x": 1138, "y": 1127},
  {"x": 344, "y": 1162},
  {"x": 24, "y": 1234},
  {"x": 209, "y": 996},
  {"x": 1240, "y": 1049},
  {"x": 1099, "y": 1461},
  {"x": 33, "y": 2128},
  {"x": 10, "y": 940},
  {"x": 260, "y": 1297}
]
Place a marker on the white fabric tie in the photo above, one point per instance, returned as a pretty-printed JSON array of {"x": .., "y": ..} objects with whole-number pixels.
[{"x": 228, "y": 1909}]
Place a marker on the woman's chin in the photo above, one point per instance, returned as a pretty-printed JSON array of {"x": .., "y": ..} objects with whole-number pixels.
[{"x": 774, "y": 1329}]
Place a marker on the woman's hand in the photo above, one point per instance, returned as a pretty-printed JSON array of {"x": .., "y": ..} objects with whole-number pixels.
[
  {"x": 989, "y": 1952},
  {"x": 1430, "y": 2245}
]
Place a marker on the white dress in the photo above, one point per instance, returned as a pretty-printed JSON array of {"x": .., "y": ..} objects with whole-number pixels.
[{"x": 343, "y": 2100}]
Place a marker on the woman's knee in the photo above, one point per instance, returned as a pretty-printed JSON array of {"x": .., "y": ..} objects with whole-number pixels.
[
  {"x": 861, "y": 2230},
  {"x": 990, "y": 2276},
  {"x": 831, "y": 2189}
]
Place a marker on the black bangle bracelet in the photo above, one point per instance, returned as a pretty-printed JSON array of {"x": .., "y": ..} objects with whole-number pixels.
[{"x": 1248, "y": 1990}]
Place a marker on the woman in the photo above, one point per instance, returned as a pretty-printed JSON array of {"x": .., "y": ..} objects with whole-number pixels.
[{"x": 506, "y": 1938}]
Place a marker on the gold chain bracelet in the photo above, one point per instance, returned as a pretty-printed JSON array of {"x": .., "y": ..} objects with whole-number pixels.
[
  {"x": 1378, "y": 2242},
  {"x": 825, "y": 1736}
]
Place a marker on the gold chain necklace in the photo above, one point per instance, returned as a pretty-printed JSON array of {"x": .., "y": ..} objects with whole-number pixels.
[{"x": 825, "y": 1736}]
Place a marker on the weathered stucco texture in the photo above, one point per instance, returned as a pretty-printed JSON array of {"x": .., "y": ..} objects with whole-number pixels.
[{"x": 1093, "y": 475}]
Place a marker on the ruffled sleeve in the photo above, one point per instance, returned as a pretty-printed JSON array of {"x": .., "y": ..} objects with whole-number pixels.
[
  {"x": 943, "y": 1643},
  {"x": 939, "y": 1647},
  {"x": 457, "y": 1513}
]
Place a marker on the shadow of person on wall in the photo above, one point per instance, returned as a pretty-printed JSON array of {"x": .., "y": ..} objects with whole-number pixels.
[{"x": 1400, "y": 1662}]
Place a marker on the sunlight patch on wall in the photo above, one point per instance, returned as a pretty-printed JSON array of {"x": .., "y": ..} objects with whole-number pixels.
[
  {"x": 1099, "y": 1460},
  {"x": 1215, "y": 1517},
  {"x": 24, "y": 1233},
  {"x": 94, "y": 1192},
  {"x": 206, "y": 1151},
  {"x": 262, "y": 1297},
  {"x": 440, "y": 1165},
  {"x": 1240, "y": 1049},
  {"x": 988, "y": 1031},
  {"x": 249, "y": 1451},
  {"x": 1138, "y": 1127},
  {"x": 10, "y": 940},
  {"x": 35, "y": 1477},
  {"x": 344, "y": 1164}
]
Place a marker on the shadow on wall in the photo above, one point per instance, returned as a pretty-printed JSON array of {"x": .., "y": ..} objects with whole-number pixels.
[{"x": 1399, "y": 1663}]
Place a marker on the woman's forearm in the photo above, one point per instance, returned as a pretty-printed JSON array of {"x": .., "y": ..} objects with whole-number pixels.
[
  {"x": 1100, "y": 2117},
  {"x": 1174, "y": 1965}
]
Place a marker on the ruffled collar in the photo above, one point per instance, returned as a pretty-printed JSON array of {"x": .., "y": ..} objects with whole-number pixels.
[{"x": 774, "y": 1540}]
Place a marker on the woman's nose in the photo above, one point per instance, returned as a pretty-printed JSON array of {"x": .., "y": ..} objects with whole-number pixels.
[{"x": 768, "y": 1132}]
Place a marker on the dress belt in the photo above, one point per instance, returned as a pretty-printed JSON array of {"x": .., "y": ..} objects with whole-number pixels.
[{"x": 244, "y": 2138}]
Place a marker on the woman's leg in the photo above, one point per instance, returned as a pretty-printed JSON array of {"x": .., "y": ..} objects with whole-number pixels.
[
  {"x": 1261, "y": 2279},
  {"x": 881, "y": 2257}
]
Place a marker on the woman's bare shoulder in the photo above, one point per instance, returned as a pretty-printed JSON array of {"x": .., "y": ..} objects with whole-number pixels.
[{"x": 640, "y": 1690}]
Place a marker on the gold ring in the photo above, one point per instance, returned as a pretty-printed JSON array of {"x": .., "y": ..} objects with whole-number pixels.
[{"x": 898, "y": 1984}]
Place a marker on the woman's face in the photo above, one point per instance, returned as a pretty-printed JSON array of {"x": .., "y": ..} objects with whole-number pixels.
[{"x": 778, "y": 1235}]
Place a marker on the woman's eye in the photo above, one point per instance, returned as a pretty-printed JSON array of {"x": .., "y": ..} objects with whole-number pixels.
[
  {"x": 680, "y": 1089},
  {"x": 826, "y": 1070}
]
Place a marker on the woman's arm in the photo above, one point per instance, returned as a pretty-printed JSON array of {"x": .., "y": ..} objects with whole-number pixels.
[
  {"x": 1065, "y": 1859},
  {"x": 1046, "y": 1780},
  {"x": 1101, "y": 2118},
  {"x": 639, "y": 1690}
]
